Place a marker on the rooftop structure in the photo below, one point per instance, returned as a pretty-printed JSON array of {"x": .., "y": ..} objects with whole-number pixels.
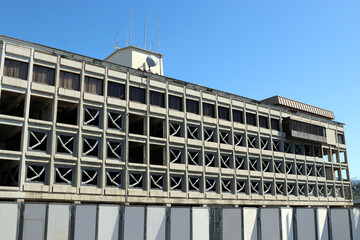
[{"x": 75, "y": 128}]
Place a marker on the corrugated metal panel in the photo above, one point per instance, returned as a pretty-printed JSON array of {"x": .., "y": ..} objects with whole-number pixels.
[
  {"x": 108, "y": 222},
  {"x": 58, "y": 221},
  {"x": 85, "y": 222},
  {"x": 340, "y": 224},
  {"x": 305, "y": 223},
  {"x": 34, "y": 221},
  {"x": 286, "y": 102},
  {"x": 355, "y": 221},
  {"x": 287, "y": 224},
  {"x": 250, "y": 223},
  {"x": 134, "y": 223},
  {"x": 270, "y": 223},
  {"x": 180, "y": 223},
  {"x": 8, "y": 220},
  {"x": 200, "y": 223},
  {"x": 232, "y": 229},
  {"x": 322, "y": 224},
  {"x": 156, "y": 223}
]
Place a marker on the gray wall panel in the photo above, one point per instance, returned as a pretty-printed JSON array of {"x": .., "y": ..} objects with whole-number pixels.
[
  {"x": 58, "y": 221},
  {"x": 8, "y": 220},
  {"x": 232, "y": 229},
  {"x": 180, "y": 223},
  {"x": 34, "y": 221},
  {"x": 270, "y": 223},
  {"x": 250, "y": 223},
  {"x": 355, "y": 220},
  {"x": 322, "y": 224},
  {"x": 340, "y": 224},
  {"x": 108, "y": 222},
  {"x": 287, "y": 225},
  {"x": 85, "y": 222},
  {"x": 156, "y": 223},
  {"x": 134, "y": 223},
  {"x": 305, "y": 223},
  {"x": 200, "y": 223}
]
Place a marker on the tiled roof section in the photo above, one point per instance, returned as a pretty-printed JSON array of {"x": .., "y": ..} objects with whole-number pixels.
[{"x": 289, "y": 103}]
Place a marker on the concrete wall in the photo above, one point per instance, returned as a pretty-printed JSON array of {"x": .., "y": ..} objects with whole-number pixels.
[{"x": 118, "y": 222}]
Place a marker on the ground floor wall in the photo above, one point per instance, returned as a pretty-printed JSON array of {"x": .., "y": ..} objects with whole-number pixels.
[{"x": 55, "y": 221}]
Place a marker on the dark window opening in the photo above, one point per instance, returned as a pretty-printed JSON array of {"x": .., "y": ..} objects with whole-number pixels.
[
  {"x": 12, "y": 103},
  {"x": 175, "y": 102},
  {"x": 115, "y": 120},
  {"x": 288, "y": 147},
  {"x": 211, "y": 184},
  {"x": 193, "y": 132},
  {"x": 156, "y": 155},
  {"x": 275, "y": 124},
  {"x": 175, "y": 129},
  {"x": 93, "y": 85},
  {"x": 239, "y": 139},
  {"x": 157, "y": 99},
  {"x": 114, "y": 150},
  {"x": 265, "y": 143},
  {"x": 267, "y": 165},
  {"x": 279, "y": 167},
  {"x": 240, "y": 162},
  {"x": 40, "y": 108},
  {"x": 264, "y": 122},
  {"x": 341, "y": 139},
  {"x": 226, "y": 161},
  {"x": 176, "y": 182},
  {"x": 209, "y": 135},
  {"x": 69, "y": 80},
  {"x": 92, "y": 117},
  {"x": 251, "y": 119},
  {"x": 136, "y": 180},
  {"x": 156, "y": 181},
  {"x": 43, "y": 75},
  {"x": 252, "y": 142},
  {"x": 15, "y": 69},
  {"x": 137, "y": 94},
  {"x": 89, "y": 177},
  {"x": 116, "y": 90},
  {"x": 91, "y": 147},
  {"x": 156, "y": 127},
  {"x": 10, "y": 137},
  {"x": 9, "y": 173},
  {"x": 238, "y": 116},
  {"x": 194, "y": 158},
  {"x": 308, "y": 150},
  {"x": 194, "y": 184},
  {"x": 136, "y": 152},
  {"x": 114, "y": 179},
  {"x": 136, "y": 124},
  {"x": 176, "y": 155},
  {"x": 67, "y": 113},
  {"x": 254, "y": 164},
  {"x": 37, "y": 141},
  {"x": 224, "y": 137},
  {"x": 65, "y": 144},
  {"x": 289, "y": 168},
  {"x": 210, "y": 160},
  {"x": 63, "y": 175},
  {"x": 192, "y": 106},
  {"x": 224, "y": 113},
  {"x": 255, "y": 187},
  {"x": 317, "y": 152},
  {"x": 35, "y": 173},
  {"x": 209, "y": 110}
]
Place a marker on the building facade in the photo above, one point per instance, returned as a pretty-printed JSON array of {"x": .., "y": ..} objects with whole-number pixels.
[{"x": 79, "y": 129}]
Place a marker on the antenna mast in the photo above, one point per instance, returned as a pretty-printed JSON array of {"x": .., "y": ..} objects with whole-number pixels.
[
  {"x": 130, "y": 23},
  {"x": 158, "y": 34},
  {"x": 144, "y": 30}
]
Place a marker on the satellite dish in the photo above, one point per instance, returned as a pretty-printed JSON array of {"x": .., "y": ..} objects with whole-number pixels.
[{"x": 151, "y": 61}]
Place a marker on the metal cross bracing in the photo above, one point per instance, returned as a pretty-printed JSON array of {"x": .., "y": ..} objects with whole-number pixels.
[
  {"x": 208, "y": 134},
  {"x": 226, "y": 185},
  {"x": 114, "y": 177},
  {"x": 65, "y": 174},
  {"x": 240, "y": 186},
  {"x": 35, "y": 172},
  {"x": 66, "y": 143},
  {"x": 175, "y": 129},
  {"x": 36, "y": 140},
  {"x": 209, "y": 159},
  {"x": 238, "y": 139},
  {"x": 192, "y": 132},
  {"x": 175, "y": 182},
  {"x": 156, "y": 181},
  {"x": 91, "y": 116},
  {"x": 115, "y": 119},
  {"x": 89, "y": 176},
  {"x": 175, "y": 155}
]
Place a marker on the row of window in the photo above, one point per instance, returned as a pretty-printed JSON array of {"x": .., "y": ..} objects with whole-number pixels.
[{"x": 115, "y": 178}]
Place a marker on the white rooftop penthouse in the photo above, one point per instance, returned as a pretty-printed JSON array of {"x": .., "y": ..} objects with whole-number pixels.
[{"x": 79, "y": 129}]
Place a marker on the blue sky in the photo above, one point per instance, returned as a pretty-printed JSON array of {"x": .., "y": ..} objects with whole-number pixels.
[{"x": 304, "y": 50}]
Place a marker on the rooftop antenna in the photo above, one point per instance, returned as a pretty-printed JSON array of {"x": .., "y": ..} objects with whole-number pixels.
[
  {"x": 130, "y": 23},
  {"x": 150, "y": 45},
  {"x": 116, "y": 44},
  {"x": 158, "y": 34},
  {"x": 144, "y": 30}
]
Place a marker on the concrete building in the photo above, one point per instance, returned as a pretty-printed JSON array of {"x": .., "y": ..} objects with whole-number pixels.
[{"x": 78, "y": 129}]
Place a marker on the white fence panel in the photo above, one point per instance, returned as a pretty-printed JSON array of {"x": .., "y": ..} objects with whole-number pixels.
[
  {"x": 355, "y": 219},
  {"x": 8, "y": 220},
  {"x": 108, "y": 222},
  {"x": 270, "y": 223},
  {"x": 200, "y": 223},
  {"x": 232, "y": 229},
  {"x": 305, "y": 223},
  {"x": 34, "y": 221},
  {"x": 85, "y": 222},
  {"x": 322, "y": 224},
  {"x": 287, "y": 224},
  {"x": 340, "y": 224},
  {"x": 180, "y": 223},
  {"x": 156, "y": 223},
  {"x": 58, "y": 221},
  {"x": 250, "y": 223},
  {"x": 134, "y": 223}
]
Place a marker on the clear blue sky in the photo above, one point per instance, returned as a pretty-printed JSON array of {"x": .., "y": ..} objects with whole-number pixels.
[{"x": 304, "y": 50}]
